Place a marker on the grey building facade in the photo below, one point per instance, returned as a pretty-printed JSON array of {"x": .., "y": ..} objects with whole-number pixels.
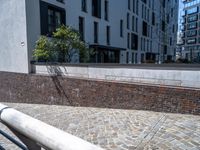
[{"x": 121, "y": 31}]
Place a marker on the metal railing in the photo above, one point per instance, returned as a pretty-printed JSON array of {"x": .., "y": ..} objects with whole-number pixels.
[
  {"x": 35, "y": 134},
  {"x": 13, "y": 140}
]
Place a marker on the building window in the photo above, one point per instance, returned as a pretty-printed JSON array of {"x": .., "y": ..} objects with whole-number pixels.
[
  {"x": 128, "y": 40},
  {"x": 106, "y": 10},
  {"x": 121, "y": 28},
  {"x": 96, "y": 8},
  {"x": 137, "y": 6},
  {"x": 172, "y": 12},
  {"x": 170, "y": 41},
  {"x": 128, "y": 20},
  {"x": 136, "y": 25},
  {"x": 84, "y": 5},
  {"x": 153, "y": 3},
  {"x": 96, "y": 32},
  {"x": 54, "y": 19},
  {"x": 108, "y": 35},
  {"x": 51, "y": 18},
  {"x": 61, "y": 1},
  {"x": 129, "y": 4},
  {"x": 173, "y": 28},
  {"x": 163, "y": 26},
  {"x": 133, "y": 57},
  {"x": 142, "y": 11},
  {"x": 134, "y": 41},
  {"x": 81, "y": 28},
  {"x": 127, "y": 57},
  {"x": 168, "y": 18},
  {"x": 165, "y": 49},
  {"x": 191, "y": 41},
  {"x": 149, "y": 2},
  {"x": 192, "y": 25},
  {"x": 136, "y": 57},
  {"x": 142, "y": 58},
  {"x": 144, "y": 28},
  {"x": 148, "y": 15},
  {"x": 133, "y": 23},
  {"x": 141, "y": 44},
  {"x": 192, "y": 10},
  {"x": 192, "y": 18},
  {"x": 133, "y": 6},
  {"x": 144, "y": 1},
  {"x": 163, "y": 3},
  {"x": 148, "y": 30}
]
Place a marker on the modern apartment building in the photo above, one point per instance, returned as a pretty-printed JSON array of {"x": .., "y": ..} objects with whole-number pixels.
[
  {"x": 190, "y": 30},
  {"x": 120, "y": 31}
]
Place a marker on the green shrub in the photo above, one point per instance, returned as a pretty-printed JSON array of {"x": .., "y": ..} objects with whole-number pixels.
[
  {"x": 42, "y": 49},
  {"x": 65, "y": 42}
]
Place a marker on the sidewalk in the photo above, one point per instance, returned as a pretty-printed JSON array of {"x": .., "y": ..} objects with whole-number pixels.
[{"x": 118, "y": 129}]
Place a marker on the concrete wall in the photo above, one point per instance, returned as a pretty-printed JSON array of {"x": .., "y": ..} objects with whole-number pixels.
[
  {"x": 59, "y": 90},
  {"x": 13, "y": 36},
  {"x": 33, "y": 26},
  {"x": 146, "y": 75}
]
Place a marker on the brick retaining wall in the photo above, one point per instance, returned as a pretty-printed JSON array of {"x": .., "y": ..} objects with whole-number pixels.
[{"x": 23, "y": 88}]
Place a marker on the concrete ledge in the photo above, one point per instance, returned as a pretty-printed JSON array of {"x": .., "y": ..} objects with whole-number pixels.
[
  {"x": 160, "y": 76},
  {"x": 170, "y": 66}
]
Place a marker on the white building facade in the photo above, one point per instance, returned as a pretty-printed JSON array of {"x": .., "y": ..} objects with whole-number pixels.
[{"x": 120, "y": 31}]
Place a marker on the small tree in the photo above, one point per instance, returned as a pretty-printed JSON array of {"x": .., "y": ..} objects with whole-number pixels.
[
  {"x": 67, "y": 42},
  {"x": 42, "y": 50}
]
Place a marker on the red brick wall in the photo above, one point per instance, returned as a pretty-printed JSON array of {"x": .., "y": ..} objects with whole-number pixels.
[{"x": 58, "y": 90}]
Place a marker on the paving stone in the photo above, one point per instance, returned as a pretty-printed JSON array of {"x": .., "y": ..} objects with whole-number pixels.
[{"x": 115, "y": 129}]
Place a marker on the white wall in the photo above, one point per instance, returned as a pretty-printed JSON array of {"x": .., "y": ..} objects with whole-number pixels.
[
  {"x": 13, "y": 41},
  {"x": 149, "y": 75}
]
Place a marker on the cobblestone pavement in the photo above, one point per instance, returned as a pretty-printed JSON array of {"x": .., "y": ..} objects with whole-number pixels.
[{"x": 119, "y": 129}]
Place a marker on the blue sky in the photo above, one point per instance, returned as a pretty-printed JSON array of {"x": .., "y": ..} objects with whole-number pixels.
[
  {"x": 180, "y": 9},
  {"x": 180, "y": 6}
]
